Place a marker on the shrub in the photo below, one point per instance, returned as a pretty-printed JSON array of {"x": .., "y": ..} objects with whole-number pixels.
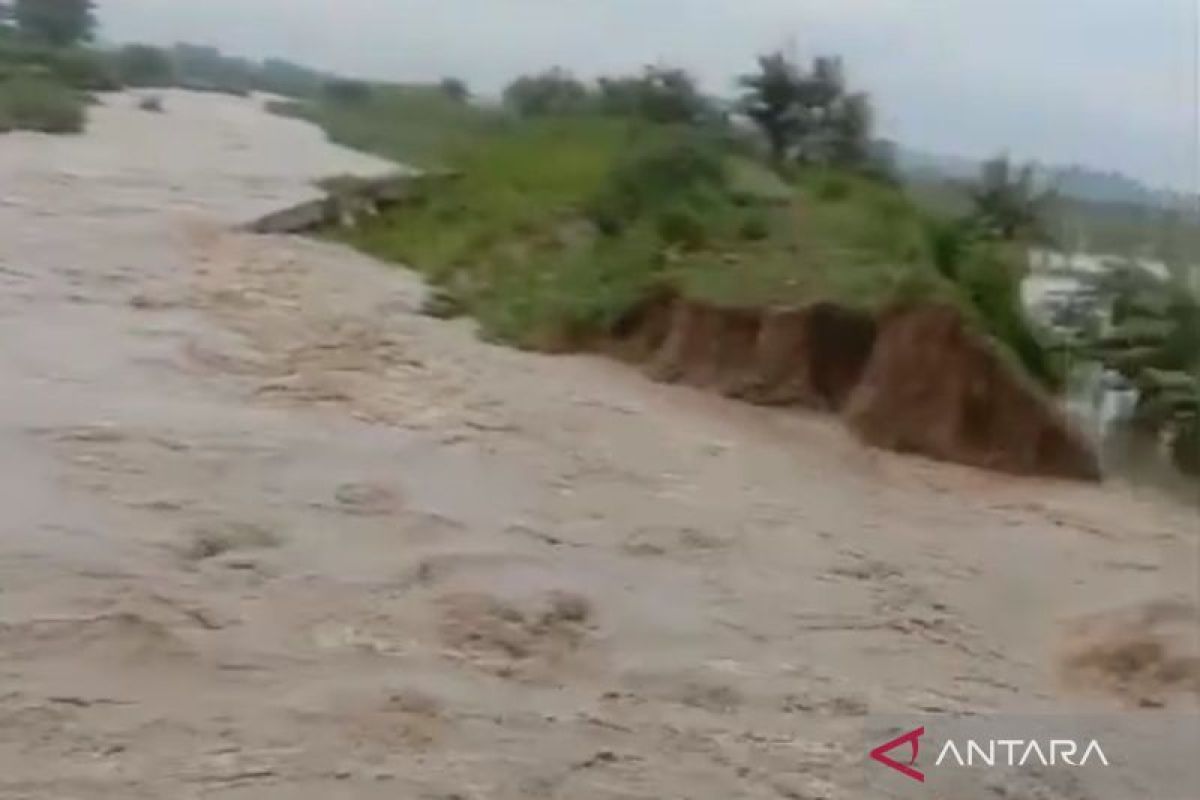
[
  {"x": 682, "y": 224},
  {"x": 555, "y": 91},
  {"x": 40, "y": 104},
  {"x": 662, "y": 175},
  {"x": 990, "y": 275},
  {"x": 754, "y": 227},
  {"x": 348, "y": 92},
  {"x": 455, "y": 89}
]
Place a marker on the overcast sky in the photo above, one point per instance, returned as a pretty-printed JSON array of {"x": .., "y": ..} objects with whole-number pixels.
[{"x": 1107, "y": 83}]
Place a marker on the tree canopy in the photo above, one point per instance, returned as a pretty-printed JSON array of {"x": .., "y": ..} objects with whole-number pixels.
[
  {"x": 659, "y": 94},
  {"x": 456, "y": 89},
  {"x": 58, "y": 22},
  {"x": 554, "y": 91},
  {"x": 808, "y": 115},
  {"x": 1008, "y": 202}
]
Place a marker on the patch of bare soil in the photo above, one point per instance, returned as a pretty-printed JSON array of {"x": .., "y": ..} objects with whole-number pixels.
[
  {"x": 810, "y": 356},
  {"x": 917, "y": 380}
]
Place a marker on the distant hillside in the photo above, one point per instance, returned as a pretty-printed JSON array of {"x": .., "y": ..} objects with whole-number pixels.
[{"x": 1077, "y": 182}]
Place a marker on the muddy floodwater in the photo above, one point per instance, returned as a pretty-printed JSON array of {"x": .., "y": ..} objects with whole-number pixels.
[{"x": 267, "y": 532}]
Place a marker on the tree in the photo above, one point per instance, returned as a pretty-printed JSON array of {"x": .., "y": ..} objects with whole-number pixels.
[
  {"x": 660, "y": 94},
  {"x": 58, "y": 22},
  {"x": 770, "y": 101},
  {"x": 555, "y": 91},
  {"x": 455, "y": 89},
  {"x": 206, "y": 68},
  {"x": 143, "y": 65},
  {"x": 1008, "y": 204},
  {"x": 808, "y": 116}
]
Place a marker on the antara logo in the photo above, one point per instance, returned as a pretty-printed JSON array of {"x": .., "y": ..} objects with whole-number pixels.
[
  {"x": 990, "y": 753},
  {"x": 913, "y": 740}
]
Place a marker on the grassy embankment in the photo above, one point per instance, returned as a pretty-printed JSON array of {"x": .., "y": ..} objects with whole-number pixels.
[
  {"x": 46, "y": 88},
  {"x": 559, "y": 225}
]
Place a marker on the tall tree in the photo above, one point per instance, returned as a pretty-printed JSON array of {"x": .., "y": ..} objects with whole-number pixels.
[
  {"x": 770, "y": 101},
  {"x": 58, "y": 22},
  {"x": 807, "y": 115},
  {"x": 1008, "y": 203}
]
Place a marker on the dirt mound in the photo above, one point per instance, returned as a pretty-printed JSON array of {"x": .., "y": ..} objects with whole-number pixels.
[
  {"x": 810, "y": 356},
  {"x": 1140, "y": 654},
  {"x": 934, "y": 387}
]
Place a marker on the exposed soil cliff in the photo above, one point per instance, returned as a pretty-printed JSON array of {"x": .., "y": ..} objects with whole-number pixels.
[
  {"x": 935, "y": 387},
  {"x": 916, "y": 380}
]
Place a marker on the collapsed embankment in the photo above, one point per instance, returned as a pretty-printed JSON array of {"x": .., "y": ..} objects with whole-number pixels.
[{"x": 913, "y": 379}]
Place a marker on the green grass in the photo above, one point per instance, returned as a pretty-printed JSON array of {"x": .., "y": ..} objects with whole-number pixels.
[
  {"x": 45, "y": 88},
  {"x": 40, "y": 104},
  {"x": 417, "y": 125}
]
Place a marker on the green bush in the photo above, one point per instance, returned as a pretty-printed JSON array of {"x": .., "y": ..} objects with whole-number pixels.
[
  {"x": 555, "y": 299},
  {"x": 754, "y": 227},
  {"x": 554, "y": 91},
  {"x": 40, "y": 104},
  {"x": 682, "y": 224},
  {"x": 990, "y": 276},
  {"x": 672, "y": 179}
]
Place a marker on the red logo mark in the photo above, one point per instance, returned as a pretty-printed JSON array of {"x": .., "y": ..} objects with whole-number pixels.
[{"x": 913, "y": 739}]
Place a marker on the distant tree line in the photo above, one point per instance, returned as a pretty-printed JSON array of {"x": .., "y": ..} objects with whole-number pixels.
[{"x": 805, "y": 116}]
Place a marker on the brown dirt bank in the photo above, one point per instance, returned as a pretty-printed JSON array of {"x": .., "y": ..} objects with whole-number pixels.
[
  {"x": 935, "y": 387},
  {"x": 916, "y": 379}
]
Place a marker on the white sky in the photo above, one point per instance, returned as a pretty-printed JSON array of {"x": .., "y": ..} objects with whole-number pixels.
[{"x": 1107, "y": 83}]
